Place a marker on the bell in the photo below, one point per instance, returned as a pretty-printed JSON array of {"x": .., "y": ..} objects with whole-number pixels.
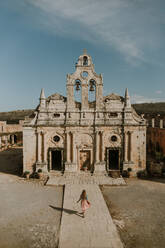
[
  {"x": 77, "y": 86},
  {"x": 91, "y": 88}
]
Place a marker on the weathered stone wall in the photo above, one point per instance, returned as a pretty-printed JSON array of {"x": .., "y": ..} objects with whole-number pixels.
[
  {"x": 10, "y": 128},
  {"x": 10, "y": 134},
  {"x": 138, "y": 148},
  {"x": 29, "y": 149}
]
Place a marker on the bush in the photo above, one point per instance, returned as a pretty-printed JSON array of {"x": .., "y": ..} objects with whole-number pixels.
[
  {"x": 142, "y": 174},
  {"x": 34, "y": 175},
  {"x": 159, "y": 157},
  {"x": 26, "y": 173},
  {"x": 125, "y": 173}
]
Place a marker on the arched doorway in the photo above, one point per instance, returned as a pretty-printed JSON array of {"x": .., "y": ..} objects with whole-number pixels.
[
  {"x": 55, "y": 159},
  {"x": 85, "y": 160},
  {"x": 113, "y": 158}
]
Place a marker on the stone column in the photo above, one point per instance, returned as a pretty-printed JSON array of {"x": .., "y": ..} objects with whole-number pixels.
[
  {"x": 102, "y": 146},
  {"x": 6, "y": 140},
  {"x": 84, "y": 96},
  {"x": 73, "y": 148},
  {"x": 125, "y": 147},
  {"x": 41, "y": 152},
  {"x": 129, "y": 145},
  {"x": 0, "y": 141},
  {"x": 99, "y": 95},
  {"x": 70, "y": 166},
  {"x": 99, "y": 165},
  {"x": 39, "y": 146},
  {"x": 68, "y": 147},
  {"x": 97, "y": 146},
  {"x": 12, "y": 139},
  {"x": 161, "y": 123},
  {"x": 44, "y": 151},
  {"x": 129, "y": 154},
  {"x": 153, "y": 122}
]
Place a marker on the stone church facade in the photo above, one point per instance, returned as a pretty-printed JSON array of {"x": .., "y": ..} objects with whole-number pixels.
[{"x": 97, "y": 136}]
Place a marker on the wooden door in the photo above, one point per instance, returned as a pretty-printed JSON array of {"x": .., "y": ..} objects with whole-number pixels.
[{"x": 85, "y": 160}]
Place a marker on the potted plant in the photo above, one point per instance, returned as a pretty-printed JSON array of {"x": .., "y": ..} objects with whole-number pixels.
[
  {"x": 142, "y": 174},
  {"x": 129, "y": 172},
  {"x": 163, "y": 172},
  {"x": 125, "y": 173},
  {"x": 40, "y": 173},
  {"x": 26, "y": 174}
]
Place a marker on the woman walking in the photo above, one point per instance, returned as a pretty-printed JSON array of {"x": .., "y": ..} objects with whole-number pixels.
[{"x": 85, "y": 204}]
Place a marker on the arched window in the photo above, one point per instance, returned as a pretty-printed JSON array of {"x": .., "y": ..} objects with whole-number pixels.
[{"x": 85, "y": 60}]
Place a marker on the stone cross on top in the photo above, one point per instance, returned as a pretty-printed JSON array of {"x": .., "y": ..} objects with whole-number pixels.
[{"x": 84, "y": 51}]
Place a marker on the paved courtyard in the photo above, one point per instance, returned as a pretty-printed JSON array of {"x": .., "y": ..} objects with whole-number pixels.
[
  {"x": 139, "y": 210},
  {"x": 27, "y": 220}
]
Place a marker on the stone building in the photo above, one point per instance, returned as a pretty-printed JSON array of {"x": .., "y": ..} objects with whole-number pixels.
[
  {"x": 81, "y": 135},
  {"x": 156, "y": 136},
  {"x": 10, "y": 134}
]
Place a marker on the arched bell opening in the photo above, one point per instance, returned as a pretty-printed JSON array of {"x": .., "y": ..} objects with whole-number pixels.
[
  {"x": 77, "y": 90},
  {"x": 85, "y": 60},
  {"x": 92, "y": 91}
]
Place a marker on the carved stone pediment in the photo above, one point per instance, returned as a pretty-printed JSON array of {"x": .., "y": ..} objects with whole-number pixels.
[
  {"x": 137, "y": 117},
  {"x": 56, "y": 96},
  {"x": 113, "y": 96}
]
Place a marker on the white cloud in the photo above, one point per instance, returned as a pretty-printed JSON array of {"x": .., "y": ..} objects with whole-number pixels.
[
  {"x": 128, "y": 26},
  {"x": 143, "y": 99}
]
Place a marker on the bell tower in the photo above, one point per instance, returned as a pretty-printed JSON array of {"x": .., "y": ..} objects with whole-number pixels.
[{"x": 85, "y": 79}]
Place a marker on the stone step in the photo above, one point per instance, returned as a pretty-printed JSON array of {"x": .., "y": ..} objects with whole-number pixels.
[{"x": 79, "y": 178}]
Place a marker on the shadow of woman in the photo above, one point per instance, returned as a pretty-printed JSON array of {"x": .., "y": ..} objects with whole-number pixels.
[{"x": 68, "y": 211}]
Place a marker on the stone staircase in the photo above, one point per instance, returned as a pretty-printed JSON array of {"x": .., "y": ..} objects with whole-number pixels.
[{"x": 57, "y": 178}]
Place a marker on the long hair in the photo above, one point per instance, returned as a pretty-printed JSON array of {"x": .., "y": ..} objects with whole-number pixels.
[{"x": 83, "y": 194}]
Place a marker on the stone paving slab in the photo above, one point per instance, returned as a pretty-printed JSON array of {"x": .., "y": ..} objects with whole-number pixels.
[
  {"x": 83, "y": 178},
  {"x": 96, "y": 230}
]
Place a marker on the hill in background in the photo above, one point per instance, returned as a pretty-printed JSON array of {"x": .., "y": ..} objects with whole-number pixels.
[
  {"x": 142, "y": 108},
  {"x": 150, "y": 108},
  {"x": 13, "y": 117}
]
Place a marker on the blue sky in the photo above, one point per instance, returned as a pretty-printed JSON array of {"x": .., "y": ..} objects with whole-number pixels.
[{"x": 41, "y": 40}]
